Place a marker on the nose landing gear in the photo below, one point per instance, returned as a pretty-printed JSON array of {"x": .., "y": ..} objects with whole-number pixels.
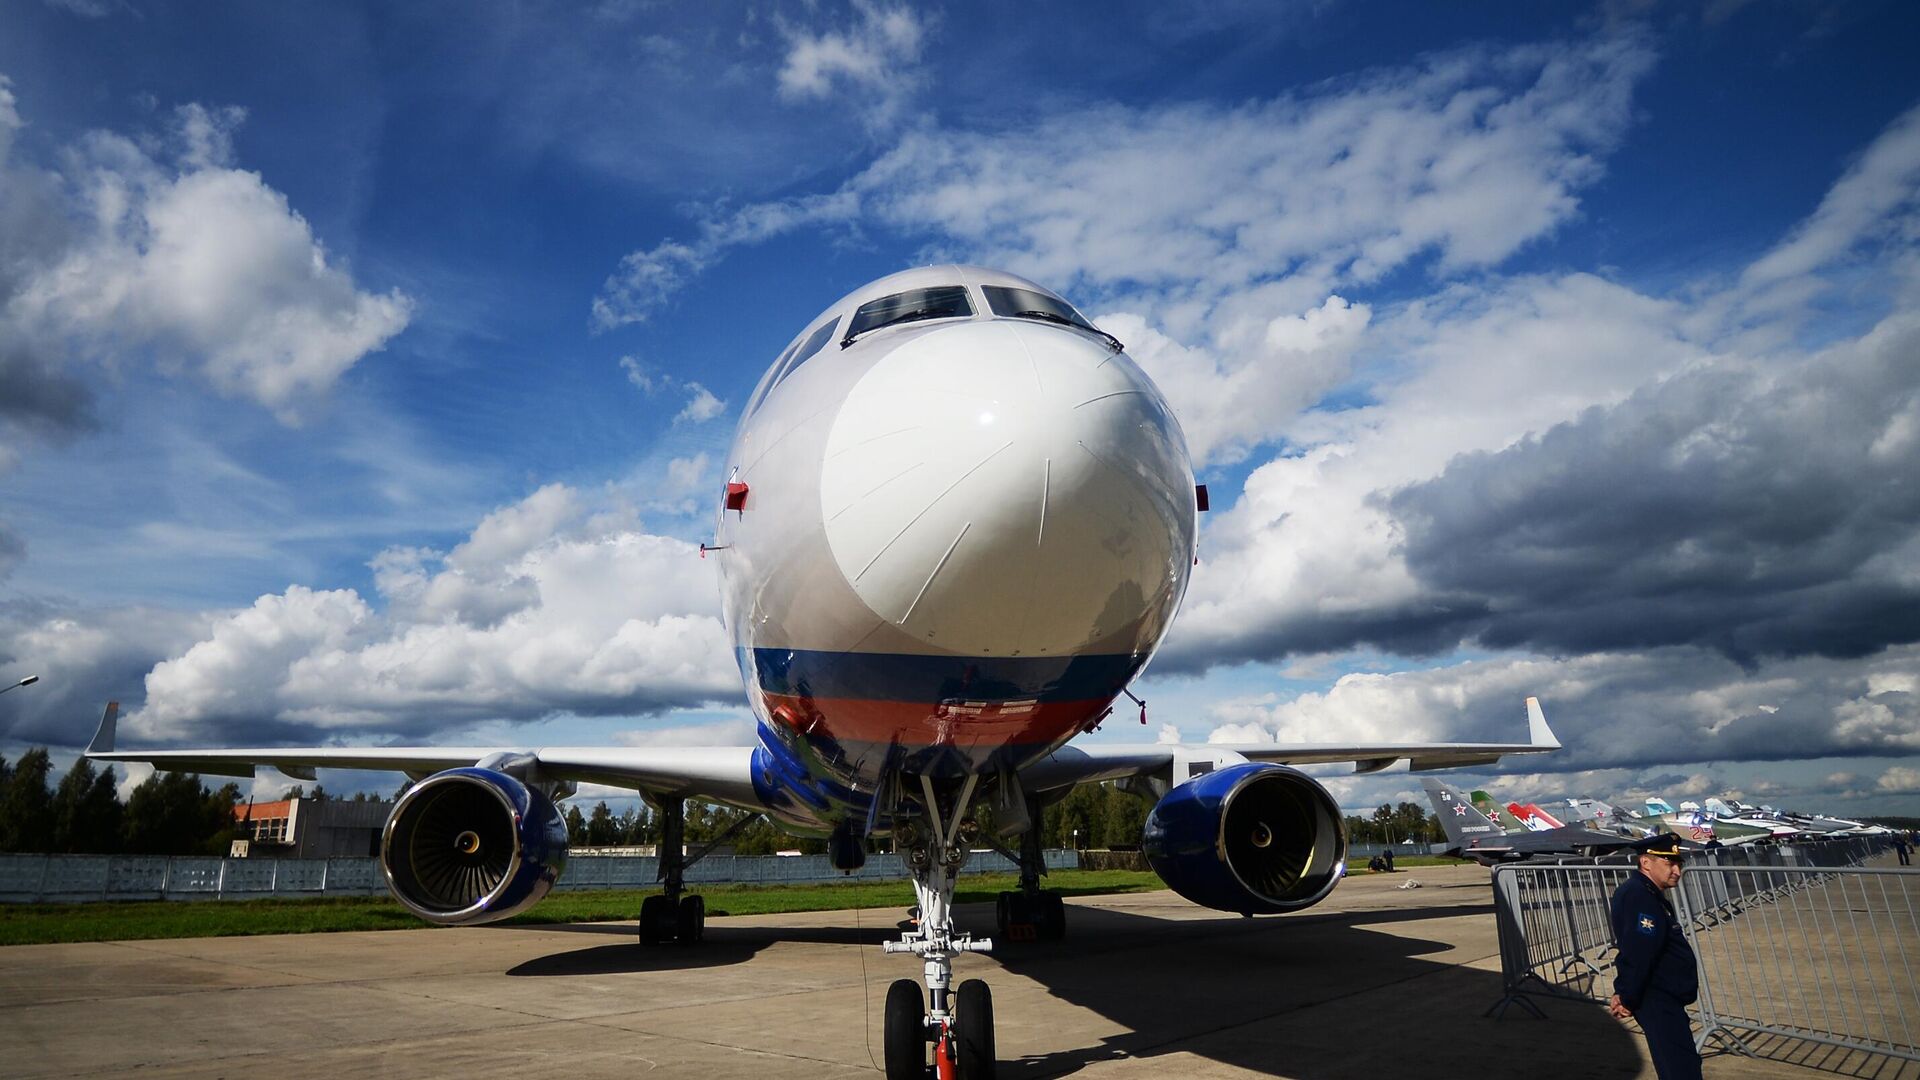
[{"x": 958, "y": 1026}]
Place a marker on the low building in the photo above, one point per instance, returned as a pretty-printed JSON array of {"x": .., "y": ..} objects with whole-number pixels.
[{"x": 313, "y": 828}]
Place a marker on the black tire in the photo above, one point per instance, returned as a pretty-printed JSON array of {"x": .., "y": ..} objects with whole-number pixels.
[
  {"x": 1052, "y": 917},
  {"x": 693, "y": 920},
  {"x": 906, "y": 1032},
  {"x": 973, "y": 1030},
  {"x": 651, "y": 910}
]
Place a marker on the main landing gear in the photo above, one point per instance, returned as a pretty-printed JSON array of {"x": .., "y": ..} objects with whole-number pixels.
[
  {"x": 958, "y": 1026},
  {"x": 673, "y": 915},
  {"x": 1032, "y": 913}
]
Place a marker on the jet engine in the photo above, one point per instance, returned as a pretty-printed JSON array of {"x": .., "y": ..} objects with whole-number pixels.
[
  {"x": 472, "y": 845},
  {"x": 1252, "y": 838}
]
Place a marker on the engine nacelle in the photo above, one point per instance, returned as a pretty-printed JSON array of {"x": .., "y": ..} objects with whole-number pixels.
[
  {"x": 472, "y": 845},
  {"x": 1252, "y": 838}
]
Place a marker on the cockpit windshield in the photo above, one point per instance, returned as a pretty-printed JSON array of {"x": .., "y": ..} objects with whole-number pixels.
[
  {"x": 1014, "y": 303},
  {"x": 939, "y": 302},
  {"x": 1011, "y": 303}
]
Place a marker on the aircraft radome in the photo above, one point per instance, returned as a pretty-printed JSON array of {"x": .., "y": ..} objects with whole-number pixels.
[{"x": 958, "y": 521}]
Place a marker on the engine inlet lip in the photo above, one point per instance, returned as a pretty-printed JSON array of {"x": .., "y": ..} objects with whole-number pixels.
[{"x": 440, "y": 915}]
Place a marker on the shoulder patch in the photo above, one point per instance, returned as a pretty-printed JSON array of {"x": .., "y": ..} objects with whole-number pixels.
[{"x": 1647, "y": 925}]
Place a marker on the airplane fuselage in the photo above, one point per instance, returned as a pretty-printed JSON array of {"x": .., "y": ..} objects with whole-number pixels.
[{"x": 948, "y": 543}]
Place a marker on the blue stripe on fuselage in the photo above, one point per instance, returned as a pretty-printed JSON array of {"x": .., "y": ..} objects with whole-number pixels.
[{"x": 911, "y": 677}]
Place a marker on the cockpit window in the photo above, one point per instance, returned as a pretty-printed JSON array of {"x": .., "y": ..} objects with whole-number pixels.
[
  {"x": 807, "y": 348},
  {"x": 1014, "y": 303},
  {"x": 939, "y": 302},
  {"x": 790, "y": 362},
  {"x": 1025, "y": 303}
]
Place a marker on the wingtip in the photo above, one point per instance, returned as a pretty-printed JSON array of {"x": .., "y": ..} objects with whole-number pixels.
[
  {"x": 1538, "y": 733},
  {"x": 103, "y": 737}
]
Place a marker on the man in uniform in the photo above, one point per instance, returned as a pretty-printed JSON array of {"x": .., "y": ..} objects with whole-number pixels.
[{"x": 1655, "y": 977}]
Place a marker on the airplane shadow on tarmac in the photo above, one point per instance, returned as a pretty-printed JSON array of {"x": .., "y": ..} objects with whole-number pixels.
[
  {"x": 1335, "y": 996},
  {"x": 1318, "y": 997},
  {"x": 724, "y": 945}
]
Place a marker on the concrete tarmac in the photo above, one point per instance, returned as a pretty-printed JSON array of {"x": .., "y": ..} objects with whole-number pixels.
[{"x": 1379, "y": 981}]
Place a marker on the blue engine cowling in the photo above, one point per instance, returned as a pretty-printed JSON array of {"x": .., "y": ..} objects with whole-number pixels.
[
  {"x": 1253, "y": 838},
  {"x": 472, "y": 845}
]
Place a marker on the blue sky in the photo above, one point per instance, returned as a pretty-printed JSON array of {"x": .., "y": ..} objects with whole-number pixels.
[{"x": 370, "y": 372}]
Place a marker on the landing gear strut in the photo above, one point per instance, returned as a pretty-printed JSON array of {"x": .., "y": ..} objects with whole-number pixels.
[
  {"x": 959, "y": 1026},
  {"x": 673, "y": 915},
  {"x": 1032, "y": 913}
]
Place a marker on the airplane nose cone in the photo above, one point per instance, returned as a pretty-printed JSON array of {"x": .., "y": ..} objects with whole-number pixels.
[{"x": 1003, "y": 489}]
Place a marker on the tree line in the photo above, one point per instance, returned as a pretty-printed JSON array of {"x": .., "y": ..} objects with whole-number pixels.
[
  {"x": 1392, "y": 824},
  {"x": 165, "y": 814}
]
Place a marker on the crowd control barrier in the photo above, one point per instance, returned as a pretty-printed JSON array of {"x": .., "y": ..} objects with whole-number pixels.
[
  {"x": 1805, "y": 954},
  {"x": 82, "y": 878}
]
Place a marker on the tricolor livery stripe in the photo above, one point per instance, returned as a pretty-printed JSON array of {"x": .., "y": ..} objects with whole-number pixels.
[{"x": 930, "y": 680}]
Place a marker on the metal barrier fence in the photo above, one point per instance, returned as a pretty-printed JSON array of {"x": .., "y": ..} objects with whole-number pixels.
[
  {"x": 82, "y": 878},
  {"x": 1798, "y": 945}
]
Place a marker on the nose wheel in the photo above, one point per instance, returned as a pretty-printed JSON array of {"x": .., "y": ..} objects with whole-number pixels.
[
  {"x": 962, "y": 1047},
  {"x": 973, "y": 1030}
]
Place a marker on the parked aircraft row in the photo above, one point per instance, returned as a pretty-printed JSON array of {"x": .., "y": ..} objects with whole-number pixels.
[{"x": 1480, "y": 829}]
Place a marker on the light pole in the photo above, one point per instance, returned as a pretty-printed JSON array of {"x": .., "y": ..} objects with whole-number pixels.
[{"x": 28, "y": 681}]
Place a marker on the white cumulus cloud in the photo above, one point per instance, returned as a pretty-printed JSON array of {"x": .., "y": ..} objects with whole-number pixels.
[
  {"x": 552, "y": 604},
  {"x": 871, "y": 61},
  {"x": 1899, "y": 778},
  {"x": 189, "y": 260}
]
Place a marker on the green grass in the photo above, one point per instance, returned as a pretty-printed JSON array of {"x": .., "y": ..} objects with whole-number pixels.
[{"x": 37, "y": 924}]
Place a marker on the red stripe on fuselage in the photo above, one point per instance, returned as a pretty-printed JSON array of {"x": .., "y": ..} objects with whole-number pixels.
[{"x": 914, "y": 725}]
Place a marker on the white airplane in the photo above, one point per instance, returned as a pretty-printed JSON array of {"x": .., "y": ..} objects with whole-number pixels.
[{"x": 957, "y": 523}]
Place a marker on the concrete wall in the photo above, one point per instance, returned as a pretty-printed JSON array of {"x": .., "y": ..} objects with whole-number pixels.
[{"x": 81, "y": 878}]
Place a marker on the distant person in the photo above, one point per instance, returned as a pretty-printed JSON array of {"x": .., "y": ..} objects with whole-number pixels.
[
  {"x": 1656, "y": 976},
  {"x": 1904, "y": 847},
  {"x": 1376, "y": 864},
  {"x": 1387, "y": 857}
]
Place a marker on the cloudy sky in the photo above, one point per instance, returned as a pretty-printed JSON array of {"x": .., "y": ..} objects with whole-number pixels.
[{"x": 366, "y": 373}]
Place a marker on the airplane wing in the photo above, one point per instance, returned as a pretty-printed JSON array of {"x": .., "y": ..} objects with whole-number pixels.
[
  {"x": 1085, "y": 764},
  {"x": 723, "y": 773}
]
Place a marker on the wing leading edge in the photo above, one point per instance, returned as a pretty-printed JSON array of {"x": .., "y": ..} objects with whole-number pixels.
[
  {"x": 723, "y": 773},
  {"x": 1086, "y": 764}
]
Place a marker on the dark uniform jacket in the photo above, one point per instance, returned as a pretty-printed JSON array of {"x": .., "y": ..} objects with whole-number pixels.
[{"x": 1653, "y": 951}]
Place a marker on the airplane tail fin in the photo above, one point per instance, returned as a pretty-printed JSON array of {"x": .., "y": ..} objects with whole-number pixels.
[
  {"x": 1546, "y": 820},
  {"x": 1484, "y": 803},
  {"x": 1458, "y": 819},
  {"x": 1527, "y": 821}
]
